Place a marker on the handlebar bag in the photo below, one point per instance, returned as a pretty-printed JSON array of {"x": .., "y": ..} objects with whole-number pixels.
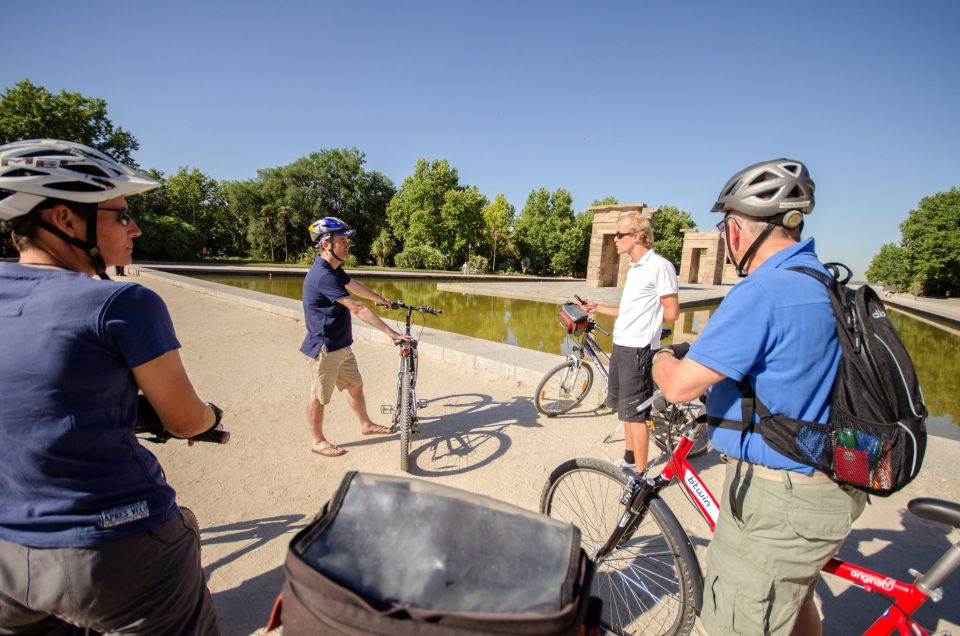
[
  {"x": 573, "y": 319},
  {"x": 396, "y": 555}
]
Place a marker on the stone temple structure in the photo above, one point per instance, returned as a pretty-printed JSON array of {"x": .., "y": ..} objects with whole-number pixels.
[{"x": 701, "y": 261}]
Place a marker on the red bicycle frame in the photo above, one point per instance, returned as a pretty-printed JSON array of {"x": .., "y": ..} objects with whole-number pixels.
[{"x": 906, "y": 598}]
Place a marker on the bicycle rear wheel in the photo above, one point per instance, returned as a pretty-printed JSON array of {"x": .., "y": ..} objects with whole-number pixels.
[
  {"x": 667, "y": 428},
  {"x": 651, "y": 584},
  {"x": 406, "y": 419},
  {"x": 563, "y": 387}
]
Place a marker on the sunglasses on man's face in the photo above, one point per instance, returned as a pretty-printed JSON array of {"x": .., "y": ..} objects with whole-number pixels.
[
  {"x": 620, "y": 235},
  {"x": 123, "y": 215}
]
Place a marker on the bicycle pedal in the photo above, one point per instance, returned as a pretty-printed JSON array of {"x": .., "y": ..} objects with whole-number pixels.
[
  {"x": 422, "y": 404},
  {"x": 386, "y": 409}
]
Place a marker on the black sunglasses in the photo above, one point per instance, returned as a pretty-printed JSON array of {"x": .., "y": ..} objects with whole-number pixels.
[
  {"x": 620, "y": 235},
  {"x": 123, "y": 215}
]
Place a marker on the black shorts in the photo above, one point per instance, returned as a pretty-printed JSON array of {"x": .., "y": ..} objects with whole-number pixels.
[{"x": 630, "y": 382}]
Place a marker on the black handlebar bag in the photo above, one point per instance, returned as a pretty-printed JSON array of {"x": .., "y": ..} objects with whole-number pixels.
[{"x": 397, "y": 556}]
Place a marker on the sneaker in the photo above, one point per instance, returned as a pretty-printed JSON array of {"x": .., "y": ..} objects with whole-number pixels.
[{"x": 622, "y": 464}]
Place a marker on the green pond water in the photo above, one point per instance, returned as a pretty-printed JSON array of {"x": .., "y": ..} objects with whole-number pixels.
[{"x": 533, "y": 325}]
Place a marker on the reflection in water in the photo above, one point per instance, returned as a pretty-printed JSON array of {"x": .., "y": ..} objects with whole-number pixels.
[
  {"x": 936, "y": 355},
  {"x": 533, "y": 325}
]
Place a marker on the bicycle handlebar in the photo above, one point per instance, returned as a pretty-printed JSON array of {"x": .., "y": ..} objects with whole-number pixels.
[
  {"x": 148, "y": 423},
  {"x": 600, "y": 329},
  {"x": 425, "y": 309}
]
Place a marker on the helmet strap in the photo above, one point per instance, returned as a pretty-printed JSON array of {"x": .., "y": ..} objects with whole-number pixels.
[
  {"x": 748, "y": 255},
  {"x": 90, "y": 248}
]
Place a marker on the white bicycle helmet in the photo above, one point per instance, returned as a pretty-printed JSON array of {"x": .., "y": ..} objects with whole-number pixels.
[
  {"x": 329, "y": 226},
  {"x": 38, "y": 169}
]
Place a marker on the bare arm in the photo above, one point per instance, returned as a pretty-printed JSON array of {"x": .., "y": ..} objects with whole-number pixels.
[
  {"x": 592, "y": 307},
  {"x": 364, "y": 313},
  {"x": 359, "y": 289},
  {"x": 168, "y": 388},
  {"x": 671, "y": 307},
  {"x": 682, "y": 380}
]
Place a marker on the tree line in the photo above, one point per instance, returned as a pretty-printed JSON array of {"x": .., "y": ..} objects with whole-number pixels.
[
  {"x": 432, "y": 220},
  {"x": 927, "y": 259}
]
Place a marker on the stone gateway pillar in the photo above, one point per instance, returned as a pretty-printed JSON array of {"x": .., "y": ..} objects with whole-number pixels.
[
  {"x": 702, "y": 258},
  {"x": 605, "y": 268}
]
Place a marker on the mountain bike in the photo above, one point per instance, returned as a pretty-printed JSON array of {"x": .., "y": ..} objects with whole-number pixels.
[
  {"x": 404, "y": 409},
  {"x": 647, "y": 571}
]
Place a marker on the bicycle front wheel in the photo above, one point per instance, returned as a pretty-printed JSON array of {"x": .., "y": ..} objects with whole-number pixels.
[
  {"x": 649, "y": 585},
  {"x": 406, "y": 418},
  {"x": 563, "y": 387}
]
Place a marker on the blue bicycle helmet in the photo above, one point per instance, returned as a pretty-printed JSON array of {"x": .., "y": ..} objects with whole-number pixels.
[{"x": 329, "y": 226}]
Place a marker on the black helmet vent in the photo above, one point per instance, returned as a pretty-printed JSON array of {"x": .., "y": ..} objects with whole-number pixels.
[
  {"x": 763, "y": 176},
  {"x": 75, "y": 186},
  {"x": 93, "y": 171},
  {"x": 23, "y": 172},
  {"x": 796, "y": 193}
]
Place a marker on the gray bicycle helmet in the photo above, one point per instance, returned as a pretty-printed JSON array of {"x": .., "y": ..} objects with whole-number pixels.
[
  {"x": 773, "y": 191},
  {"x": 329, "y": 226},
  {"x": 34, "y": 170}
]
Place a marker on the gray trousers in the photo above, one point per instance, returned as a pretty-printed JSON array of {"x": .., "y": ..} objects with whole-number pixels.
[{"x": 150, "y": 583}]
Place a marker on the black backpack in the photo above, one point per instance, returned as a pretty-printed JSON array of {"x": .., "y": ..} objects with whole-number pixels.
[{"x": 877, "y": 435}]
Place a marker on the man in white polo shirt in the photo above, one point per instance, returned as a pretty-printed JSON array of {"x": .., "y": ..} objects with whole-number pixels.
[{"x": 650, "y": 296}]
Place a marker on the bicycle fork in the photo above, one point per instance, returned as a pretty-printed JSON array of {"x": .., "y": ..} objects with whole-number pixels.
[{"x": 635, "y": 498}]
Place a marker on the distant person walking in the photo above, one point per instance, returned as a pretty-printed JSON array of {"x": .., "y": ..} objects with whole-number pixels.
[
  {"x": 650, "y": 296},
  {"x": 327, "y": 307}
]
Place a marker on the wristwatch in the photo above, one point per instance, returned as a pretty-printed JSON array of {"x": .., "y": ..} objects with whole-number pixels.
[{"x": 662, "y": 351}]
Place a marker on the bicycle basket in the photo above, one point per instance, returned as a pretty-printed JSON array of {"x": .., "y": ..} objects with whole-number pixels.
[
  {"x": 396, "y": 555},
  {"x": 573, "y": 319}
]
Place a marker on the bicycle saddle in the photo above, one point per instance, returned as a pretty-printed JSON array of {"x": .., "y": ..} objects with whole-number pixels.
[{"x": 936, "y": 510}]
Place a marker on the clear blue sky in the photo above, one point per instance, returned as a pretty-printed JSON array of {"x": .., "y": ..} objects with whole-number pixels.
[{"x": 658, "y": 102}]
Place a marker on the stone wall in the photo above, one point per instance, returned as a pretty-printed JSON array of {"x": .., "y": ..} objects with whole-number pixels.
[{"x": 605, "y": 268}]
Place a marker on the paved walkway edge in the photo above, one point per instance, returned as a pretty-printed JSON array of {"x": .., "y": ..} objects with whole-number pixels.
[{"x": 523, "y": 366}]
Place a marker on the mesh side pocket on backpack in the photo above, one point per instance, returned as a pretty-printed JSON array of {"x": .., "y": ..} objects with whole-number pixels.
[{"x": 808, "y": 443}]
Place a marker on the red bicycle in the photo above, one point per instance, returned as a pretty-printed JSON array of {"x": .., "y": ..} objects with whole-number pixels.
[{"x": 647, "y": 571}]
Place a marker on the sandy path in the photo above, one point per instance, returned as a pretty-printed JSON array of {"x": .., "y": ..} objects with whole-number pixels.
[{"x": 479, "y": 433}]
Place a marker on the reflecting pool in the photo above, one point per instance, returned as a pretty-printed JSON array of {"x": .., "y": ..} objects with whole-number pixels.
[{"x": 534, "y": 325}]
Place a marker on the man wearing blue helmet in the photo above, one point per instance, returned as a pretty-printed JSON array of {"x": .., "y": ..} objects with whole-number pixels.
[{"x": 327, "y": 309}]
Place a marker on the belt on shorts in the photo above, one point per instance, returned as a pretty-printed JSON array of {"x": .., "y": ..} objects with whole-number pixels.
[{"x": 776, "y": 474}]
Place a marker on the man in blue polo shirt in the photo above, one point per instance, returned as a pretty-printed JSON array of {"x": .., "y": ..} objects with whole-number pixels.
[
  {"x": 780, "y": 520},
  {"x": 327, "y": 307}
]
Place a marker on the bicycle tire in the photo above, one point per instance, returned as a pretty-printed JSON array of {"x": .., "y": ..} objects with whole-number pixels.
[
  {"x": 406, "y": 419},
  {"x": 558, "y": 392},
  {"x": 666, "y": 435},
  {"x": 653, "y": 584}
]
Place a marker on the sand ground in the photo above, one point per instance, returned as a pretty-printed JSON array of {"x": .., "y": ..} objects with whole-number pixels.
[{"x": 479, "y": 433}]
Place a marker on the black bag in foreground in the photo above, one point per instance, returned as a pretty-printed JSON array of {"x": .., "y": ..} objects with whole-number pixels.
[
  {"x": 397, "y": 556},
  {"x": 877, "y": 436}
]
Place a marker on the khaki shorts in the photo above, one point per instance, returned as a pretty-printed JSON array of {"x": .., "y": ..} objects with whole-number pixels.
[
  {"x": 333, "y": 369},
  {"x": 762, "y": 570}
]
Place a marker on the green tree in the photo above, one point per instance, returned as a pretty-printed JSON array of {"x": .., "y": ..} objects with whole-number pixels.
[
  {"x": 462, "y": 218},
  {"x": 497, "y": 223},
  {"x": 415, "y": 212},
  {"x": 30, "y": 112},
  {"x": 544, "y": 232},
  {"x": 324, "y": 183},
  {"x": 668, "y": 226},
  {"x": 931, "y": 237},
  {"x": 891, "y": 266},
  {"x": 382, "y": 247},
  {"x": 201, "y": 201}
]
